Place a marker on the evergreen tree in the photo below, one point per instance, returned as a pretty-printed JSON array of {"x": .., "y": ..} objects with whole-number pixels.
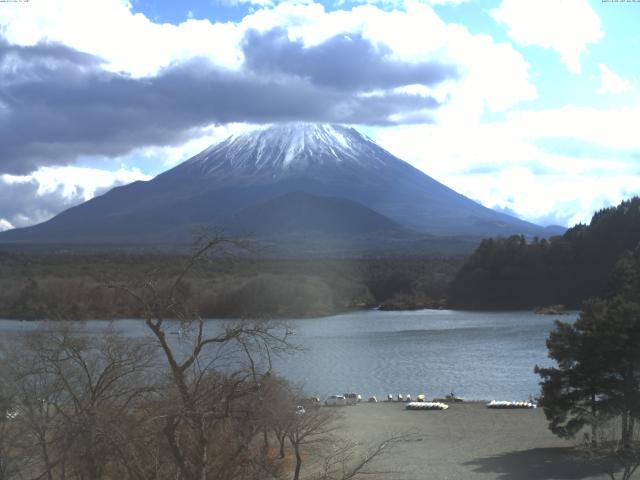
[
  {"x": 512, "y": 273},
  {"x": 572, "y": 392},
  {"x": 598, "y": 361}
]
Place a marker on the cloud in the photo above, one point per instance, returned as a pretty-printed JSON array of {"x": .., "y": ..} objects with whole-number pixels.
[
  {"x": 611, "y": 82},
  {"x": 5, "y": 225},
  {"x": 159, "y": 158},
  {"x": 259, "y": 3},
  {"x": 157, "y": 85},
  {"x": 575, "y": 148},
  {"x": 550, "y": 166},
  {"x": 34, "y": 198},
  {"x": 612, "y": 127},
  {"x": 553, "y": 199},
  {"x": 564, "y": 26},
  {"x": 344, "y": 62},
  {"x": 340, "y": 3},
  {"x": 58, "y": 104},
  {"x": 126, "y": 41},
  {"x": 412, "y": 32}
]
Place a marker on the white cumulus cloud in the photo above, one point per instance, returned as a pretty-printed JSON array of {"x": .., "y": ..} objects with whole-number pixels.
[
  {"x": 127, "y": 42},
  {"x": 494, "y": 76},
  {"x": 565, "y": 26},
  {"x": 34, "y": 198},
  {"x": 5, "y": 225},
  {"x": 413, "y": 31},
  {"x": 75, "y": 182},
  {"x": 611, "y": 82},
  {"x": 548, "y": 166}
]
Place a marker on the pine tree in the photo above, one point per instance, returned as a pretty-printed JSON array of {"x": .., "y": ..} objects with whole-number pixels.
[{"x": 597, "y": 377}]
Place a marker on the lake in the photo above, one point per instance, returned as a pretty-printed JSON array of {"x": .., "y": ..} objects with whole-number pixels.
[{"x": 478, "y": 355}]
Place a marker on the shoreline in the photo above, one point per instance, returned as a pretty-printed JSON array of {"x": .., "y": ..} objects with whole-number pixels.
[
  {"x": 310, "y": 316},
  {"x": 466, "y": 441}
]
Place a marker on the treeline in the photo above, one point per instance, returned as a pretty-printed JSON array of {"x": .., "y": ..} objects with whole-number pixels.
[
  {"x": 79, "y": 286},
  {"x": 510, "y": 273}
]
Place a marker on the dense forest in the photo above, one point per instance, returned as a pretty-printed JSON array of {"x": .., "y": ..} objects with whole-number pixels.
[
  {"x": 503, "y": 273},
  {"x": 506, "y": 273},
  {"x": 78, "y": 286}
]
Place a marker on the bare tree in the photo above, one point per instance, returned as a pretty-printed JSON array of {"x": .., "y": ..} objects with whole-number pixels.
[
  {"x": 212, "y": 375},
  {"x": 310, "y": 429},
  {"x": 346, "y": 461},
  {"x": 72, "y": 394},
  {"x": 10, "y": 456},
  {"x": 278, "y": 411},
  {"x": 34, "y": 417}
]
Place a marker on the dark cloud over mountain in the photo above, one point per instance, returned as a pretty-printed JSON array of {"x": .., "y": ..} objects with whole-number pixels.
[
  {"x": 57, "y": 103},
  {"x": 345, "y": 62}
]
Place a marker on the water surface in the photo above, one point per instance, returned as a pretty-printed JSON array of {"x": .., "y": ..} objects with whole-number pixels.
[{"x": 478, "y": 355}]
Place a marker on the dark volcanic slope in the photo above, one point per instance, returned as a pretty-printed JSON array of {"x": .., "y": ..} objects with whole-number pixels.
[
  {"x": 249, "y": 169},
  {"x": 298, "y": 212}
]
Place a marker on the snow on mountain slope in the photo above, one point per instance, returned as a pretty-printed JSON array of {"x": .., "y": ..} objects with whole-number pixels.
[{"x": 283, "y": 150}]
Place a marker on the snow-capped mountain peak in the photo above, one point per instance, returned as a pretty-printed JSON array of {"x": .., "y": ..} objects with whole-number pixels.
[{"x": 286, "y": 148}]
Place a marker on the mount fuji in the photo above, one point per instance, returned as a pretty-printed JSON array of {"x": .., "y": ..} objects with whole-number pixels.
[{"x": 289, "y": 179}]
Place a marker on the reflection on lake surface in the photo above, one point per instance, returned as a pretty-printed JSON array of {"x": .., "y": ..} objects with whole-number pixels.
[{"x": 478, "y": 355}]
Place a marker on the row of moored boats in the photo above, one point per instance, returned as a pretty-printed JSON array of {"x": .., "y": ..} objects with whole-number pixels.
[
  {"x": 500, "y": 404},
  {"x": 421, "y": 403}
]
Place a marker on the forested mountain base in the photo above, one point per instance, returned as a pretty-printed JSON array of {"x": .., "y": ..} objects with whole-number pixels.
[
  {"x": 513, "y": 273},
  {"x": 74, "y": 286}
]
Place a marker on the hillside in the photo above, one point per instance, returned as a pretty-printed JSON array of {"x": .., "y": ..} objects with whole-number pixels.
[
  {"x": 513, "y": 273},
  {"x": 299, "y": 212}
]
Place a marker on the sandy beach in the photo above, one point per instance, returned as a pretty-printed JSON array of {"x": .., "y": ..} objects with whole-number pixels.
[{"x": 467, "y": 441}]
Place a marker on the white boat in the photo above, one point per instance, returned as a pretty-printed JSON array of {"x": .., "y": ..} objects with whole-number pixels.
[
  {"x": 505, "y": 404},
  {"x": 427, "y": 406}
]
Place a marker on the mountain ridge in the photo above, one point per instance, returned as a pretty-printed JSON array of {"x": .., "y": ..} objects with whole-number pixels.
[{"x": 250, "y": 168}]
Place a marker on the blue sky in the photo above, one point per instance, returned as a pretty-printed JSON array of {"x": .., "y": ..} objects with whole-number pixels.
[
  {"x": 177, "y": 12},
  {"x": 529, "y": 107}
]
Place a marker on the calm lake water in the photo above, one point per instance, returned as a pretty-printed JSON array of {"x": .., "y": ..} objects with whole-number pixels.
[{"x": 478, "y": 355}]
